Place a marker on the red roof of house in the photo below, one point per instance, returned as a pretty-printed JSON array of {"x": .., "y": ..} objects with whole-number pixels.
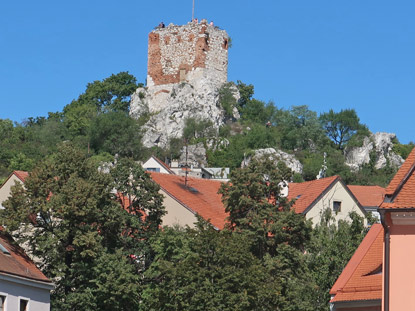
[
  {"x": 307, "y": 193},
  {"x": 402, "y": 187},
  {"x": 368, "y": 195},
  {"x": 22, "y": 175},
  {"x": 361, "y": 279},
  {"x": 166, "y": 167},
  {"x": 403, "y": 171},
  {"x": 200, "y": 196},
  {"x": 17, "y": 262}
]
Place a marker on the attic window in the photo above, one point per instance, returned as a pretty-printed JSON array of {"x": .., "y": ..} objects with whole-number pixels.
[
  {"x": 4, "y": 251},
  {"x": 153, "y": 169},
  {"x": 337, "y": 206}
]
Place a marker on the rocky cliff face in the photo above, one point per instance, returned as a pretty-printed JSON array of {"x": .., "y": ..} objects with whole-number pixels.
[
  {"x": 199, "y": 100},
  {"x": 381, "y": 144},
  {"x": 276, "y": 155}
]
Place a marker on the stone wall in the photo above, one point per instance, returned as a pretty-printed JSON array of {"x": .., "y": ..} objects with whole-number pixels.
[{"x": 184, "y": 53}]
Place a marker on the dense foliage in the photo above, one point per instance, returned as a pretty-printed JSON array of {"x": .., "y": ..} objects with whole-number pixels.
[
  {"x": 81, "y": 233},
  {"x": 105, "y": 250}
]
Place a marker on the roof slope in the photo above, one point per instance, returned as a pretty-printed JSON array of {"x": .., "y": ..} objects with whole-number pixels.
[
  {"x": 22, "y": 175},
  {"x": 403, "y": 171},
  {"x": 307, "y": 193},
  {"x": 361, "y": 279},
  {"x": 164, "y": 165},
  {"x": 402, "y": 187},
  {"x": 200, "y": 196},
  {"x": 368, "y": 195},
  {"x": 17, "y": 262}
]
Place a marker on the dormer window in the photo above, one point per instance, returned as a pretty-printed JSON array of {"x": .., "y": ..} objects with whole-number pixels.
[{"x": 4, "y": 250}]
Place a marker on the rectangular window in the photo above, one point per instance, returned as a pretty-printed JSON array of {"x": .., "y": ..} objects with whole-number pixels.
[
  {"x": 337, "y": 206},
  {"x": 23, "y": 305},
  {"x": 2, "y": 302},
  {"x": 153, "y": 169}
]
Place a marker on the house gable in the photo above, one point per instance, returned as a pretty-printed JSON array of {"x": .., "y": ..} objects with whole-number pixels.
[
  {"x": 360, "y": 283},
  {"x": 314, "y": 197},
  {"x": 15, "y": 177}
]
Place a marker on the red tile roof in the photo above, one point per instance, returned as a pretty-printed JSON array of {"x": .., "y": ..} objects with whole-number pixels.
[
  {"x": 361, "y": 279},
  {"x": 403, "y": 171},
  {"x": 17, "y": 262},
  {"x": 368, "y": 195},
  {"x": 307, "y": 193},
  {"x": 402, "y": 187},
  {"x": 166, "y": 167},
  {"x": 200, "y": 196},
  {"x": 22, "y": 175}
]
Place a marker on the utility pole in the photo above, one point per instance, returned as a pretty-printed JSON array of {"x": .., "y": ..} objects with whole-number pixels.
[{"x": 193, "y": 10}]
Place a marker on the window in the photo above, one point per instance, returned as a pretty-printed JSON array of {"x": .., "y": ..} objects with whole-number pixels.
[
  {"x": 2, "y": 301},
  {"x": 153, "y": 169},
  {"x": 23, "y": 305},
  {"x": 337, "y": 206},
  {"x": 4, "y": 250}
]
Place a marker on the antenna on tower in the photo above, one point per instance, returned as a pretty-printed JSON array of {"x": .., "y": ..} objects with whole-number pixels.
[{"x": 193, "y": 10}]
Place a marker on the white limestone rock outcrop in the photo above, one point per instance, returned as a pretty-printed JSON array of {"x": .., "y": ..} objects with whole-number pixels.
[
  {"x": 276, "y": 155},
  {"x": 382, "y": 144},
  {"x": 196, "y": 156},
  {"x": 169, "y": 110}
]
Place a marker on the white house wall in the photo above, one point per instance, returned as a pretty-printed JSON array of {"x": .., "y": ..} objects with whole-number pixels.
[
  {"x": 152, "y": 163},
  {"x": 176, "y": 214},
  {"x": 5, "y": 190},
  {"x": 337, "y": 193},
  {"x": 39, "y": 298}
]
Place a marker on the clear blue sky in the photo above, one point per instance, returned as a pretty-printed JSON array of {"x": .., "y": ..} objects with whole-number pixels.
[{"x": 323, "y": 53}]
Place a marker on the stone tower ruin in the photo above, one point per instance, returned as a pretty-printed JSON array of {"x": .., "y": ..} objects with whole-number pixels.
[
  {"x": 185, "y": 53},
  {"x": 187, "y": 66}
]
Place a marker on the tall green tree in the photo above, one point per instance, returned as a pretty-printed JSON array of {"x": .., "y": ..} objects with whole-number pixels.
[
  {"x": 204, "y": 269},
  {"x": 74, "y": 224},
  {"x": 278, "y": 235},
  {"x": 341, "y": 126},
  {"x": 331, "y": 246}
]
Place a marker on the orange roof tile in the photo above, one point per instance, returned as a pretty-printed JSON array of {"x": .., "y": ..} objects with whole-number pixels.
[
  {"x": 22, "y": 175},
  {"x": 402, "y": 186},
  {"x": 200, "y": 196},
  {"x": 307, "y": 193},
  {"x": 368, "y": 195},
  {"x": 403, "y": 171},
  {"x": 361, "y": 279},
  {"x": 17, "y": 262}
]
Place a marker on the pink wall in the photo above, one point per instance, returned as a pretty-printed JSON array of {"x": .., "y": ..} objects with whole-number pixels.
[{"x": 402, "y": 268}]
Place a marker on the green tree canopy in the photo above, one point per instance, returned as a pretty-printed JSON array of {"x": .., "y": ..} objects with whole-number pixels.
[
  {"x": 81, "y": 234},
  {"x": 341, "y": 126}
]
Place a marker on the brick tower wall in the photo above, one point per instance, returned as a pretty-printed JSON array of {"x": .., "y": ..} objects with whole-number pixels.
[{"x": 185, "y": 53}]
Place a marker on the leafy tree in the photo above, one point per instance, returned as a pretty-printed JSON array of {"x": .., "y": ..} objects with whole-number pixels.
[
  {"x": 246, "y": 92},
  {"x": 204, "y": 269},
  {"x": 278, "y": 235},
  {"x": 21, "y": 162},
  {"x": 111, "y": 94},
  {"x": 341, "y": 126},
  {"x": 196, "y": 128},
  {"x": 227, "y": 99},
  {"x": 116, "y": 133},
  {"x": 331, "y": 247},
  {"x": 71, "y": 221},
  {"x": 300, "y": 128}
]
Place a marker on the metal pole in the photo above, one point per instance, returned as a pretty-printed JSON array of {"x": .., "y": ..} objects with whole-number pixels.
[{"x": 193, "y": 10}]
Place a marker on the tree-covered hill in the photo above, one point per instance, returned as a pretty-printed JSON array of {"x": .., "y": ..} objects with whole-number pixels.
[{"x": 98, "y": 121}]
